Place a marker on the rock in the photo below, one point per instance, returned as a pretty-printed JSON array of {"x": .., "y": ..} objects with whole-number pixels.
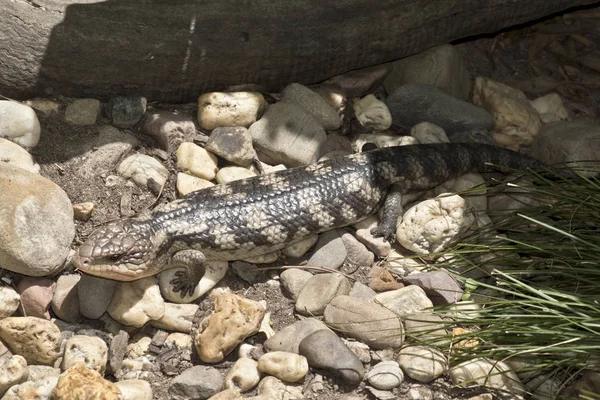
[
  {"x": 36, "y": 339},
  {"x": 9, "y": 301},
  {"x": 357, "y": 254},
  {"x": 19, "y": 124},
  {"x": 232, "y": 173},
  {"x": 177, "y": 317},
  {"x": 117, "y": 350},
  {"x": 381, "y": 280},
  {"x": 312, "y": 103},
  {"x": 433, "y": 225},
  {"x": 550, "y": 108},
  {"x": 88, "y": 350},
  {"x": 385, "y": 375},
  {"x": 233, "y": 144},
  {"x": 564, "y": 141},
  {"x": 65, "y": 302},
  {"x": 234, "y": 319},
  {"x": 219, "y": 109},
  {"x": 422, "y": 363},
  {"x": 104, "y": 151},
  {"x": 126, "y": 111},
  {"x": 169, "y": 128},
  {"x": 319, "y": 290},
  {"x": 465, "y": 185},
  {"x": 543, "y": 387},
  {"x": 293, "y": 280},
  {"x": 187, "y": 184},
  {"x": 288, "y": 367},
  {"x": 440, "y": 287},
  {"x": 333, "y": 95},
  {"x": 365, "y": 321},
  {"x": 361, "y": 291},
  {"x": 329, "y": 251},
  {"x": 426, "y": 326},
  {"x": 46, "y": 107},
  {"x": 263, "y": 258},
  {"x": 145, "y": 171},
  {"x": 360, "y": 350},
  {"x": 377, "y": 245},
  {"x": 197, "y": 161},
  {"x": 324, "y": 349},
  {"x": 137, "y": 302},
  {"x": 364, "y": 142},
  {"x": 372, "y": 113},
  {"x": 488, "y": 373},
  {"x": 181, "y": 340},
  {"x": 227, "y": 394},
  {"x": 95, "y": 295},
  {"x": 14, "y": 154},
  {"x": 135, "y": 389},
  {"x": 80, "y": 382},
  {"x": 287, "y": 134},
  {"x": 247, "y": 271},
  {"x": 415, "y": 102},
  {"x": 272, "y": 388},
  {"x": 588, "y": 383},
  {"x": 300, "y": 248},
  {"x": 404, "y": 302},
  {"x": 36, "y": 240},
  {"x": 197, "y": 382},
  {"x": 359, "y": 82},
  {"x": 243, "y": 375},
  {"x": 13, "y": 370},
  {"x": 440, "y": 66},
  {"x": 426, "y": 132},
  {"x": 36, "y": 296},
  {"x": 215, "y": 271},
  {"x": 83, "y": 112},
  {"x": 32, "y": 389},
  {"x": 83, "y": 211},
  {"x": 289, "y": 338},
  {"x": 516, "y": 122}
]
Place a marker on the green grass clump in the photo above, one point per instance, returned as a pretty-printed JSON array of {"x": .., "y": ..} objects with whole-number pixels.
[{"x": 536, "y": 278}]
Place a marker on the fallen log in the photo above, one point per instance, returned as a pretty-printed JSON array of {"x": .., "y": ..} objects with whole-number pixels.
[{"x": 172, "y": 51}]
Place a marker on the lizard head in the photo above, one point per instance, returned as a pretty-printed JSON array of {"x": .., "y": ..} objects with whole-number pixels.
[{"x": 121, "y": 250}]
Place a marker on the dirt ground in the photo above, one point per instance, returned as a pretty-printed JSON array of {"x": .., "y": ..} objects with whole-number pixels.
[{"x": 539, "y": 58}]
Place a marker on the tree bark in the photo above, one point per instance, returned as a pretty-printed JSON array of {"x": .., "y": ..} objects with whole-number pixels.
[{"x": 174, "y": 50}]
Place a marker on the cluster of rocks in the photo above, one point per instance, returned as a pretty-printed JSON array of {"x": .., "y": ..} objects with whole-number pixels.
[{"x": 377, "y": 328}]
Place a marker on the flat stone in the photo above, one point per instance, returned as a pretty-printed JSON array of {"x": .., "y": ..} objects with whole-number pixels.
[
  {"x": 422, "y": 363},
  {"x": 16, "y": 155},
  {"x": 329, "y": 251},
  {"x": 169, "y": 128},
  {"x": 126, "y": 111},
  {"x": 197, "y": 382},
  {"x": 289, "y": 338},
  {"x": 233, "y": 144},
  {"x": 440, "y": 287},
  {"x": 222, "y": 109},
  {"x": 365, "y": 321},
  {"x": 319, "y": 290},
  {"x": 440, "y": 66},
  {"x": 288, "y": 135},
  {"x": 324, "y": 349},
  {"x": 95, "y": 295},
  {"x": 37, "y": 239},
  {"x": 313, "y": 103},
  {"x": 83, "y": 111},
  {"x": 414, "y": 103},
  {"x": 406, "y": 301},
  {"x": 65, "y": 302}
]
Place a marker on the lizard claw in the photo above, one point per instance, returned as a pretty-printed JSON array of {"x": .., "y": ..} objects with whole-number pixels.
[
  {"x": 386, "y": 232},
  {"x": 181, "y": 283}
]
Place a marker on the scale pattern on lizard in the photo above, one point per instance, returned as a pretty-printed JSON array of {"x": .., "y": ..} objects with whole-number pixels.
[{"x": 255, "y": 216}]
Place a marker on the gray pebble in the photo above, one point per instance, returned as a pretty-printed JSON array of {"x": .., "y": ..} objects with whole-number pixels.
[
  {"x": 319, "y": 290},
  {"x": 324, "y": 349},
  {"x": 293, "y": 280},
  {"x": 289, "y": 338},
  {"x": 198, "y": 382},
  {"x": 126, "y": 111},
  {"x": 414, "y": 103},
  {"x": 233, "y": 144}
]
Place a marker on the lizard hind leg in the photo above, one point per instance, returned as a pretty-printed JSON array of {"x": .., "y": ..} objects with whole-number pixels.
[
  {"x": 194, "y": 263},
  {"x": 389, "y": 214}
]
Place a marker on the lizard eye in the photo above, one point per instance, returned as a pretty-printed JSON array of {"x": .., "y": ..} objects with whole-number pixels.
[{"x": 114, "y": 257}]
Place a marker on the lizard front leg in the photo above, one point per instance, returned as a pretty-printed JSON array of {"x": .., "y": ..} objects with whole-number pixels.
[{"x": 194, "y": 263}]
